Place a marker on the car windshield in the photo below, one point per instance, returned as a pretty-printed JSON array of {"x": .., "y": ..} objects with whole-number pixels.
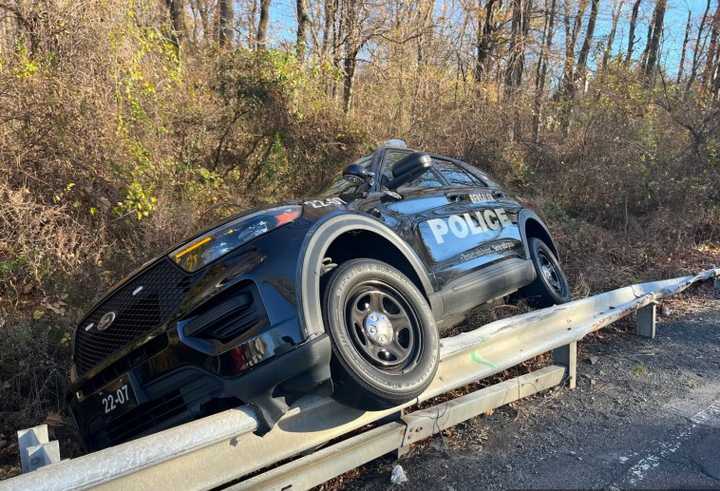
[{"x": 341, "y": 186}]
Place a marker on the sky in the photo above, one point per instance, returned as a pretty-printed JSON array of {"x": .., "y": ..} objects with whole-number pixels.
[{"x": 283, "y": 24}]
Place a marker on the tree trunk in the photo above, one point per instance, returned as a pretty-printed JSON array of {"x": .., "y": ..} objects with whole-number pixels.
[
  {"x": 541, "y": 70},
  {"x": 485, "y": 33},
  {"x": 263, "y": 24},
  {"x": 654, "y": 42},
  {"x": 648, "y": 41},
  {"x": 712, "y": 49},
  {"x": 348, "y": 80},
  {"x": 329, "y": 23},
  {"x": 716, "y": 78},
  {"x": 631, "y": 34},
  {"x": 177, "y": 18},
  {"x": 351, "y": 47},
  {"x": 226, "y": 19},
  {"x": 515, "y": 48},
  {"x": 337, "y": 35},
  {"x": 251, "y": 19},
  {"x": 302, "y": 20},
  {"x": 587, "y": 42},
  {"x": 516, "y": 63},
  {"x": 688, "y": 27},
  {"x": 613, "y": 30},
  {"x": 571, "y": 35},
  {"x": 698, "y": 49}
]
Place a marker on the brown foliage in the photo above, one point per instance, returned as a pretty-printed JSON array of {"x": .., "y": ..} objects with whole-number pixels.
[{"x": 116, "y": 142}]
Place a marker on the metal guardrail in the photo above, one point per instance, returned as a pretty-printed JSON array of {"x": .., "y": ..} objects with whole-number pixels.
[{"x": 222, "y": 450}]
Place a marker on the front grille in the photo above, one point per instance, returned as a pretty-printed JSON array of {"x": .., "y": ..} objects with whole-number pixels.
[{"x": 164, "y": 286}]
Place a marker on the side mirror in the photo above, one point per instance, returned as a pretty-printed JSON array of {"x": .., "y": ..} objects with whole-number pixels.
[
  {"x": 356, "y": 173},
  {"x": 409, "y": 168}
]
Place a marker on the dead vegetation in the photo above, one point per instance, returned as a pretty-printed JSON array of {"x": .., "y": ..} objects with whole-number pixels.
[{"x": 125, "y": 127}]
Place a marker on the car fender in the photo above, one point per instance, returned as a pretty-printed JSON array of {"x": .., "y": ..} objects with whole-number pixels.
[
  {"x": 526, "y": 215},
  {"x": 318, "y": 240}
]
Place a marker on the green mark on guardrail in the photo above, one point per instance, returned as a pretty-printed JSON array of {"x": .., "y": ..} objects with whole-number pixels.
[{"x": 475, "y": 356}]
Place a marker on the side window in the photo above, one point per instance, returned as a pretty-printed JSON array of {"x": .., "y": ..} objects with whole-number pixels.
[
  {"x": 427, "y": 180},
  {"x": 443, "y": 172},
  {"x": 391, "y": 156},
  {"x": 430, "y": 179},
  {"x": 455, "y": 175}
]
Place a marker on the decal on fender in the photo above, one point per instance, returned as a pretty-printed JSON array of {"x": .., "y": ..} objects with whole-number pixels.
[
  {"x": 461, "y": 226},
  {"x": 322, "y": 203}
]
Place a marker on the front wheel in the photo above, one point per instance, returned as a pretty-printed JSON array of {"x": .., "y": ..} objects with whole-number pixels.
[
  {"x": 385, "y": 343},
  {"x": 551, "y": 285}
]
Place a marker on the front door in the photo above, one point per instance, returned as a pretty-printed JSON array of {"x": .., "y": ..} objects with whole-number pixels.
[{"x": 466, "y": 232}]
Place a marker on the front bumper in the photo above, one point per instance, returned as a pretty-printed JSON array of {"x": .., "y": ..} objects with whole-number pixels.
[
  {"x": 189, "y": 344},
  {"x": 188, "y": 393}
]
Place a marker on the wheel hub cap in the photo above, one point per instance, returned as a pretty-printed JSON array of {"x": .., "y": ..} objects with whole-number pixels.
[
  {"x": 378, "y": 328},
  {"x": 550, "y": 274}
]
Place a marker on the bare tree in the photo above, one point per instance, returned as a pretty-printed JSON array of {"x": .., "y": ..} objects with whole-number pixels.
[
  {"x": 516, "y": 61},
  {"x": 200, "y": 8},
  {"x": 485, "y": 36},
  {"x": 572, "y": 29},
  {"x": 654, "y": 41},
  {"x": 302, "y": 21},
  {"x": 261, "y": 37},
  {"x": 226, "y": 19},
  {"x": 617, "y": 10},
  {"x": 631, "y": 33},
  {"x": 585, "y": 49},
  {"x": 541, "y": 69},
  {"x": 698, "y": 49},
  {"x": 352, "y": 46},
  {"x": 176, "y": 8},
  {"x": 251, "y": 20},
  {"x": 681, "y": 65},
  {"x": 712, "y": 49},
  {"x": 330, "y": 7}
]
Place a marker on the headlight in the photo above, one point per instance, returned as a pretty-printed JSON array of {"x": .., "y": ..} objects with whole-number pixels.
[{"x": 220, "y": 241}]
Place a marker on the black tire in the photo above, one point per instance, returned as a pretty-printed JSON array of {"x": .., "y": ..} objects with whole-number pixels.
[
  {"x": 370, "y": 370},
  {"x": 551, "y": 286}
]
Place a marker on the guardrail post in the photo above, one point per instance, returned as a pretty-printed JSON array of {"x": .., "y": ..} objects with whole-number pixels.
[
  {"x": 567, "y": 357},
  {"x": 36, "y": 449},
  {"x": 646, "y": 318}
]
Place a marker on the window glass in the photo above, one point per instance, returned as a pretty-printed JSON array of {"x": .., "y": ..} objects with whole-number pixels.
[
  {"x": 454, "y": 174},
  {"x": 429, "y": 179},
  {"x": 391, "y": 156}
]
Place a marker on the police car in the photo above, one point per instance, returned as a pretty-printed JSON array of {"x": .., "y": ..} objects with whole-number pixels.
[{"x": 348, "y": 291}]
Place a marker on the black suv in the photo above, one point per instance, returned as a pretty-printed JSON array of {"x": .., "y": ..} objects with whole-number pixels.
[{"x": 348, "y": 290}]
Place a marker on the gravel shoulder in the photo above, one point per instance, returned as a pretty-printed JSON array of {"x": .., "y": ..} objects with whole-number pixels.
[{"x": 645, "y": 414}]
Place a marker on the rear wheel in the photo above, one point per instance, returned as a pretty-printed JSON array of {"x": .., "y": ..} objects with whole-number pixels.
[
  {"x": 551, "y": 285},
  {"x": 385, "y": 343}
]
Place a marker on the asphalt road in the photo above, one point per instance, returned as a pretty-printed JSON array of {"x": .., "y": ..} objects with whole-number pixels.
[{"x": 645, "y": 414}]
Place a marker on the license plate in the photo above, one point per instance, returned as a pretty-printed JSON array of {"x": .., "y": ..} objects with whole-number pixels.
[{"x": 116, "y": 398}]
